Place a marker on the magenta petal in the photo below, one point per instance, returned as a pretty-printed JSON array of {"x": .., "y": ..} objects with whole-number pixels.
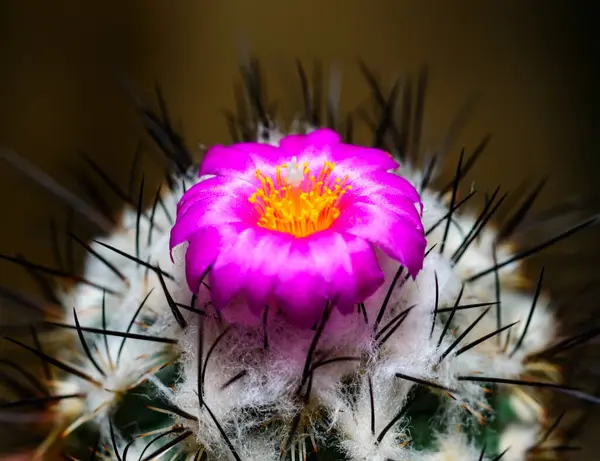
[
  {"x": 323, "y": 137},
  {"x": 349, "y": 267},
  {"x": 249, "y": 267},
  {"x": 319, "y": 139},
  {"x": 396, "y": 235},
  {"x": 301, "y": 291},
  {"x": 314, "y": 148},
  {"x": 330, "y": 254},
  {"x": 408, "y": 249},
  {"x": 326, "y": 266},
  {"x": 201, "y": 253},
  {"x": 202, "y": 206},
  {"x": 264, "y": 156},
  {"x": 212, "y": 188},
  {"x": 229, "y": 272},
  {"x": 384, "y": 183},
  {"x": 239, "y": 159},
  {"x": 393, "y": 204},
  {"x": 269, "y": 253},
  {"x": 226, "y": 161},
  {"x": 386, "y": 191},
  {"x": 204, "y": 248},
  {"x": 369, "y": 276},
  {"x": 356, "y": 160},
  {"x": 293, "y": 145}
]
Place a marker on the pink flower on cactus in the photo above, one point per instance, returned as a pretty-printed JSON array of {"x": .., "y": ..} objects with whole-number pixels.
[{"x": 295, "y": 226}]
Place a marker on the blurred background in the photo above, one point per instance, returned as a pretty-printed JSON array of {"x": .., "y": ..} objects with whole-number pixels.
[{"x": 532, "y": 65}]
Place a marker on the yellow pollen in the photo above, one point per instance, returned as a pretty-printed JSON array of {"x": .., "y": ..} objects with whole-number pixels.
[{"x": 298, "y": 202}]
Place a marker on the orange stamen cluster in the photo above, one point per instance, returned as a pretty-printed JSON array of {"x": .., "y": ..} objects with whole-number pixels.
[{"x": 299, "y": 203}]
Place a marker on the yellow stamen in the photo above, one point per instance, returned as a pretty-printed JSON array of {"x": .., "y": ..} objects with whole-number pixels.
[{"x": 299, "y": 202}]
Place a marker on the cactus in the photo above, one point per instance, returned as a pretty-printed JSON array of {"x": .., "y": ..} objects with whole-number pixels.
[{"x": 412, "y": 333}]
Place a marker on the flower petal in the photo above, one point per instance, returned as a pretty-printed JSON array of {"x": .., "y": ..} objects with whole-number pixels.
[
  {"x": 292, "y": 144},
  {"x": 229, "y": 272},
  {"x": 215, "y": 186},
  {"x": 205, "y": 248},
  {"x": 213, "y": 202},
  {"x": 396, "y": 235},
  {"x": 200, "y": 254},
  {"x": 318, "y": 139},
  {"x": 357, "y": 160},
  {"x": 314, "y": 148},
  {"x": 226, "y": 161},
  {"x": 349, "y": 267},
  {"x": 239, "y": 159},
  {"x": 365, "y": 266},
  {"x": 385, "y": 184},
  {"x": 327, "y": 266},
  {"x": 330, "y": 254},
  {"x": 269, "y": 253},
  {"x": 301, "y": 291},
  {"x": 249, "y": 266},
  {"x": 323, "y": 137},
  {"x": 393, "y": 204}
]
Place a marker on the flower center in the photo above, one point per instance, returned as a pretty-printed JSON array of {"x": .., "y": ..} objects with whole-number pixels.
[{"x": 298, "y": 202}]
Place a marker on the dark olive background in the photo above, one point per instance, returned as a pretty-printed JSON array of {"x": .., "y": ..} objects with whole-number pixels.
[{"x": 532, "y": 64}]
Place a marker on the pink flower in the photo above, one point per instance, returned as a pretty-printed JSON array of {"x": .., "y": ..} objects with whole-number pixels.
[{"x": 295, "y": 226}]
